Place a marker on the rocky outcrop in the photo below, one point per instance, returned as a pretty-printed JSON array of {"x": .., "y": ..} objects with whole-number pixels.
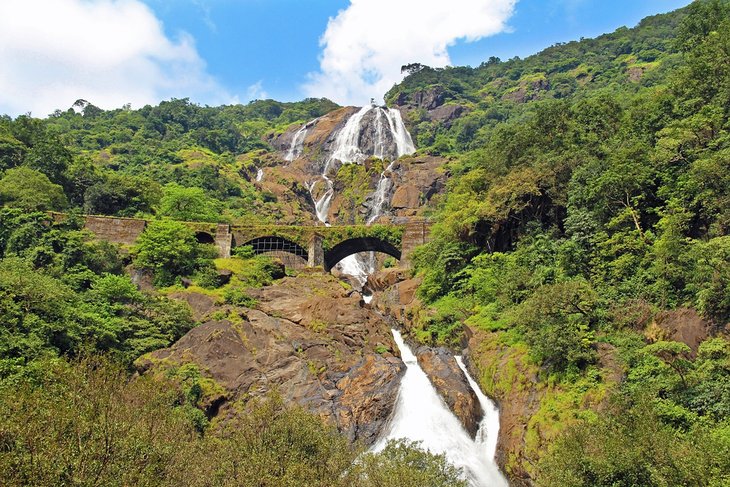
[
  {"x": 429, "y": 98},
  {"x": 681, "y": 325},
  {"x": 320, "y": 135},
  {"x": 431, "y": 104},
  {"x": 635, "y": 73},
  {"x": 309, "y": 339},
  {"x": 518, "y": 400},
  {"x": 528, "y": 89},
  {"x": 451, "y": 384},
  {"x": 446, "y": 114},
  {"x": 417, "y": 180}
]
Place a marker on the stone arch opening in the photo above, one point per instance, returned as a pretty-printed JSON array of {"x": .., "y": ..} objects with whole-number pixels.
[
  {"x": 204, "y": 238},
  {"x": 292, "y": 254},
  {"x": 357, "y": 245}
]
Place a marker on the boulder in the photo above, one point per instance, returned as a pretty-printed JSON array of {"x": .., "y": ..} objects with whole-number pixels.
[
  {"x": 407, "y": 196},
  {"x": 452, "y": 385}
]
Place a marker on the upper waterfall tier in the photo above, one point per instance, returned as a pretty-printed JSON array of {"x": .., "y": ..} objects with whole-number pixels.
[
  {"x": 348, "y": 135},
  {"x": 372, "y": 131}
]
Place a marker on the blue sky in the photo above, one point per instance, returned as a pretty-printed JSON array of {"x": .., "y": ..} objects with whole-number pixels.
[{"x": 227, "y": 51}]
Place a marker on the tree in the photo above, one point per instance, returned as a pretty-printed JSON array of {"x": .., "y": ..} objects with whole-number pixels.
[
  {"x": 31, "y": 190},
  {"x": 404, "y": 464},
  {"x": 120, "y": 194},
  {"x": 169, "y": 249},
  {"x": 187, "y": 204}
]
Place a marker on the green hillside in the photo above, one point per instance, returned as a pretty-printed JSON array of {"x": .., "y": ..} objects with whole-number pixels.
[{"x": 578, "y": 211}]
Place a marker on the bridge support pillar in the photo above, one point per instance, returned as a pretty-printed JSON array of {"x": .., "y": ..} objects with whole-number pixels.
[
  {"x": 223, "y": 240},
  {"x": 416, "y": 233},
  {"x": 315, "y": 251}
]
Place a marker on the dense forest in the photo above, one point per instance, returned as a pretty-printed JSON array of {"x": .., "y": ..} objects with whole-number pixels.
[
  {"x": 578, "y": 210},
  {"x": 589, "y": 192}
]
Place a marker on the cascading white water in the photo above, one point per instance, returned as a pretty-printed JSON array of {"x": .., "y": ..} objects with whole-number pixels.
[
  {"x": 259, "y": 175},
  {"x": 297, "y": 143},
  {"x": 346, "y": 147},
  {"x": 388, "y": 128},
  {"x": 421, "y": 415},
  {"x": 380, "y": 196},
  {"x": 488, "y": 431}
]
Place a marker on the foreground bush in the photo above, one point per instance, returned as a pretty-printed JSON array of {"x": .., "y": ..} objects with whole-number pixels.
[{"x": 88, "y": 424}]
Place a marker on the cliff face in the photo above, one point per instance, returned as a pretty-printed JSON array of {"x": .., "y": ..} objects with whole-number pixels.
[
  {"x": 303, "y": 151},
  {"x": 308, "y": 338}
]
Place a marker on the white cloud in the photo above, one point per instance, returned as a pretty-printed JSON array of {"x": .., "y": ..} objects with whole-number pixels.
[
  {"x": 256, "y": 91},
  {"x": 109, "y": 52},
  {"x": 365, "y": 45}
]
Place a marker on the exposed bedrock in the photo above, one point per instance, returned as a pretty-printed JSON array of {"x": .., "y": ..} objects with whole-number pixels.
[{"x": 309, "y": 339}]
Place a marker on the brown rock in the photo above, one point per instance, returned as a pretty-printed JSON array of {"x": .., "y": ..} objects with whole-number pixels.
[
  {"x": 446, "y": 114},
  {"x": 200, "y": 303},
  {"x": 429, "y": 98},
  {"x": 452, "y": 385},
  {"x": 369, "y": 392},
  {"x": 635, "y": 74},
  {"x": 406, "y": 196},
  {"x": 683, "y": 325},
  {"x": 310, "y": 340}
]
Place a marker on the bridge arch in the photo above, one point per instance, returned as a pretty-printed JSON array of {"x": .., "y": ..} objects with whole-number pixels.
[
  {"x": 356, "y": 245},
  {"x": 293, "y": 254},
  {"x": 204, "y": 238}
]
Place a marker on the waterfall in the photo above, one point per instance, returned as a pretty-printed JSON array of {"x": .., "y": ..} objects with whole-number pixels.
[
  {"x": 380, "y": 196},
  {"x": 489, "y": 426},
  {"x": 421, "y": 415},
  {"x": 346, "y": 147},
  {"x": 388, "y": 130},
  {"x": 259, "y": 175},
  {"x": 297, "y": 142}
]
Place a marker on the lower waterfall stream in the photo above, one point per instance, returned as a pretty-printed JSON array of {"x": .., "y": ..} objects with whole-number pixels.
[{"x": 421, "y": 415}]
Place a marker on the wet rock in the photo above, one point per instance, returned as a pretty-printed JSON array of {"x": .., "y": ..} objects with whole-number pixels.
[
  {"x": 369, "y": 392},
  {"x": 452, "y": 385}
]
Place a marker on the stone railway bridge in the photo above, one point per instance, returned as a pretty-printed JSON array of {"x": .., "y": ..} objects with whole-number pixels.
[{"x": 298, "y": 245}]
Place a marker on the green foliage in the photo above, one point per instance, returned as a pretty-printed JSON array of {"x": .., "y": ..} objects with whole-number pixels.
[
  {"x": 169, "y": 249},
  {"x": 87, "y": 422},
  {"x": 188, "y": 204},
  {"x": 63, "y": 295},
  {"x": 403, "y": 464},
  {"x": 30, "y": 190},
  {"x": 631, "y": 446}
]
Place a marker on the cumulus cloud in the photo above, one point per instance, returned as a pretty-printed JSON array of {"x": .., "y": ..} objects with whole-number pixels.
[
  {"x": 366, "y": 44},
  {"x": 110, "y": 52}
]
